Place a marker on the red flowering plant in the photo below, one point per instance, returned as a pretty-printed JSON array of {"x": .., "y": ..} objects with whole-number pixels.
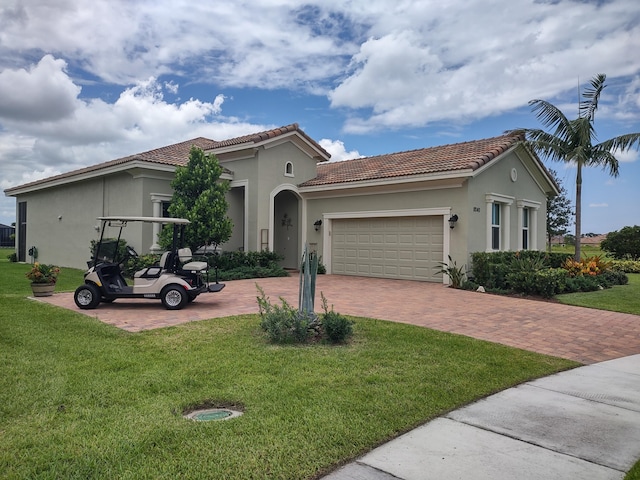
[{"x": 41, "y": 273}]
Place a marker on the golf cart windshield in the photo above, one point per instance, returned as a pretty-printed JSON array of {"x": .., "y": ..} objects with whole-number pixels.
[{"x": 107, "y": 248}]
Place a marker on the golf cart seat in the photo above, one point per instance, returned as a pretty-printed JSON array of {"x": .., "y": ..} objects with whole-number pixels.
[
  {"x": 185, "y": 255},
  {"x": 155, "y": 270}
]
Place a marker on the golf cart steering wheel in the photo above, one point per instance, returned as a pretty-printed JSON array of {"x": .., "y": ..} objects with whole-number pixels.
[{"x": 131, "y": 252}]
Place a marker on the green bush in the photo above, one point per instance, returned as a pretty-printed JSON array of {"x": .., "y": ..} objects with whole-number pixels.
[
  {"x": 336, "y": 327},
  {"x": 545, "y": 283},
  {"x": 541, "y": 274},
  {"x": 551, "y": 281},
  {"x": 582, "y": 283},
  {"x": 13, "y": 257},
  {"x": 284, "y": 323},
  {"x": 490, "y": 269},
  {"x": 240, "y": 265},
  {"x": 626, "y": 266},
  {"x": 615, "y": 277}
]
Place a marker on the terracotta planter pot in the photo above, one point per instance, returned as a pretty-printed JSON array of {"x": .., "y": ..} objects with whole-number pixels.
[{"x": 42, "y": 289}]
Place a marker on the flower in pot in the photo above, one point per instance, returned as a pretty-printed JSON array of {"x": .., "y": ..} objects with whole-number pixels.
[{"x": 43, "y": 279}]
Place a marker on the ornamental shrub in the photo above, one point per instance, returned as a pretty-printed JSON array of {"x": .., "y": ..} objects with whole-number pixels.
[
  {"x": 626, "y": 266},
  {"x": 615, "y": 277},
  {"x": 336, "y": 327},
  {"x": 550, "y": 282},
  {"x": 284, "y": 323},
  {"x": 583, "y": 283}
]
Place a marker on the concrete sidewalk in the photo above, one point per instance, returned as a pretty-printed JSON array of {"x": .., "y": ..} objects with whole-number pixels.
[{"x": 580, "y": 424}]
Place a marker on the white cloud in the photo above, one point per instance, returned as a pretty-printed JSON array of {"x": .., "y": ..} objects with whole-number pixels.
[
  {"x": 627, "y": 156},
  {"x": 337, "y": 150},
  {"x": 598, "y": 205},
  {"x": 93, "y": 130},
  {"x": 44, "y": 92}
]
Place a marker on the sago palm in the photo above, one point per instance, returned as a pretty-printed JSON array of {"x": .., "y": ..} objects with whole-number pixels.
[{"x": 572, "y": 141}]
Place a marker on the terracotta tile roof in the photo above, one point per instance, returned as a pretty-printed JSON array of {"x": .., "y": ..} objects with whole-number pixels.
[
  {"x": 447, "y": 158},
  {"x": 269, "y": 134},
  {"x": 177, "y": 154}
]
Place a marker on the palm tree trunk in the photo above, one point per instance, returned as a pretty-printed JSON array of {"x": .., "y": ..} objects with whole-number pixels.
[{"x": 578, "y": 210}]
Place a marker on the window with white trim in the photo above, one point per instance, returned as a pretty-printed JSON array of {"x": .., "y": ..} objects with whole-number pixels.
[
  {"x": 528, "y": 224},
  {"x": 288, "y": 169},
  {"x": 499, "y": 222}
]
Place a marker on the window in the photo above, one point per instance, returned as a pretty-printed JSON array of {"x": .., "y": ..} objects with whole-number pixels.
[
  {"x": 165, "y": 209},
  {"x": 498, "y": 228},
  {"x": 495, "y": 226},
  {"x": 525, "y": 228},
  {"x": 288, "y": 169}
]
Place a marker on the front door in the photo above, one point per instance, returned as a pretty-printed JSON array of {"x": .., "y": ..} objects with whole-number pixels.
[{"x": 286, "y": 228}]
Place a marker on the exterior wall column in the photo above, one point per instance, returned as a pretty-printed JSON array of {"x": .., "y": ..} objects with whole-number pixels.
[
  {"x": 488, "y": 223},
  {"x": 156, "y": 200},
  {"x": 506, "y": 233}
]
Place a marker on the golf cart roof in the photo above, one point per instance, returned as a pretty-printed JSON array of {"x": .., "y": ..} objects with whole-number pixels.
[{"x": 178, "y": 221}]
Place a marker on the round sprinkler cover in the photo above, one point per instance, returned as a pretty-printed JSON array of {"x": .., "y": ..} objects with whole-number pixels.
[{"x": 210, "y": 414}]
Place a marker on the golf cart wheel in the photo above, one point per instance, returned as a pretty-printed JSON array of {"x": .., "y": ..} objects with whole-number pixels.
[
  {"x": 173, "y": 297},
  {"x": 87, "y": 296}
]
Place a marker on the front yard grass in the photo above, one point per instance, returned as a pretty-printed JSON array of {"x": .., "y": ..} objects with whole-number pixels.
[
  {"x": 81, "y": 399},
  {"x": 619, "y": 298}
]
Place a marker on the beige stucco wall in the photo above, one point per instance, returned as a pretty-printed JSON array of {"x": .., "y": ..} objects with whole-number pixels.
[
  {"x": 264, "y": 174},
  {"x": 497, "y": 180},
  {"x": 61, "y": 220},
  {"x": 444, "y": 201}
]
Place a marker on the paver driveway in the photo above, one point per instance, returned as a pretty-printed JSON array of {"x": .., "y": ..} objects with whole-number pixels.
[{"x": 581, "y": 334}]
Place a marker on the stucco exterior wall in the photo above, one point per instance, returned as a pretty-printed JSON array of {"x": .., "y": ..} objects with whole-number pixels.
[
  {"x": 265, "y": 175},
  {"x": 499, "y": 179},
  {"x": 450, "y": 200},
  {"x": 61, "y": 220}
]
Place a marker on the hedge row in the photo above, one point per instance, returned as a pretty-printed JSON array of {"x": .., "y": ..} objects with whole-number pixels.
[{"x": 537, "y": 273}]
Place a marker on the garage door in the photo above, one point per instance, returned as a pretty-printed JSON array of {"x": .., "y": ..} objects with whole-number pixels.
[{"x": 395, "y": 247}]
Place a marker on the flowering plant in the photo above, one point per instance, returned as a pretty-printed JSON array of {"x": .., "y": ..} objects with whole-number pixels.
[{"x": 41, "y": 273}]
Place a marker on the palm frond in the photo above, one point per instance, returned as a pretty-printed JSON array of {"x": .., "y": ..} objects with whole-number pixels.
[
  {"x": 621, "y": 143},
  {"x": 599, "y": 157},
  {"x": 546, "y": 144},
  {"x": 551, "y": 116},
  {"x": 591, "y": 96}
]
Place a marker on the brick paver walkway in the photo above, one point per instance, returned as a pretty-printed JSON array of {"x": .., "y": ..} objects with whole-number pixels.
[{"x": 581, "y": 334}]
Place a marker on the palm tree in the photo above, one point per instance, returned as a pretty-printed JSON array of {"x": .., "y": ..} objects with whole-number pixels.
[{"x": 573, "y": 140}]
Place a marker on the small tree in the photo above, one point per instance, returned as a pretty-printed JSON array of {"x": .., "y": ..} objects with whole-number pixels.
[
  {"x": 199, "y": 197},
  {"x": 624, "y": 243},
  {"x": 559, "y": 212}
]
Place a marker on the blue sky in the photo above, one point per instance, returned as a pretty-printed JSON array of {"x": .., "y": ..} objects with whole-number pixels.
[{"x": 83, "y": 82}]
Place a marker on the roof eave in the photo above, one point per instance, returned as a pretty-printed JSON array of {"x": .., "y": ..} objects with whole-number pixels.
[
  {"x": 65, "y": 179},
  {"x": 460, "y": 175}
]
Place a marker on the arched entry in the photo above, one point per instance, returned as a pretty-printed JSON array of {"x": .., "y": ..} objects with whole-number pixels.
[{"x": 286, "y": 228}]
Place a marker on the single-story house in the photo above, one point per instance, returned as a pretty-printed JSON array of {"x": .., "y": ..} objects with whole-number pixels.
[
  {"x": 395, "y": 216},
  {"x": 7, "y": 235}
]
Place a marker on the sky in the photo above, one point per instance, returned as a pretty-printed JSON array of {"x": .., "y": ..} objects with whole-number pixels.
[{"x": 83, "y": 82}]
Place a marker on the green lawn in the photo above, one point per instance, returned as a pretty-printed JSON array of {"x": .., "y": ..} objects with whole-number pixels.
[
  {"x": 620, "y": 298},
  {"x": 80, "y": 399}
]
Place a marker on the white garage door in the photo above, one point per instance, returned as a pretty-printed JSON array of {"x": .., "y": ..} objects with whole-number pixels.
[{"x": 396, "y": 247}]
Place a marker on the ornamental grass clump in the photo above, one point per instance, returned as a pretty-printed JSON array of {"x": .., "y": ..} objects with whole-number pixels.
[{"x": 42, "y": 273}]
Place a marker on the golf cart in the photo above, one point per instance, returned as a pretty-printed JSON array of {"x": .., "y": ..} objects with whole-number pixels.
[{"x": 176, "y": 280}]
